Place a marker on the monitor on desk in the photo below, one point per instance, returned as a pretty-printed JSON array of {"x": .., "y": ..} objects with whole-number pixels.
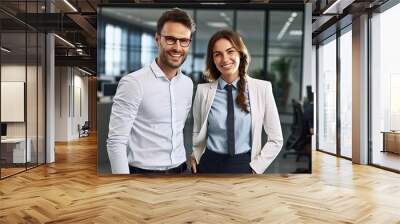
[
  {"x": 3, "y": 129},
  {"x": 109, "y": 89}
]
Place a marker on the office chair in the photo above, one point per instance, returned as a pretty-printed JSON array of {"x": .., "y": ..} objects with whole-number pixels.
[
  {"x": 84, "y": 130},
  {"x": 299, "y": 137}
]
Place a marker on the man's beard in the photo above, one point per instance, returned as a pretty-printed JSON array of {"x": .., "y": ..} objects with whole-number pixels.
[{"x": 164, "y": 59}]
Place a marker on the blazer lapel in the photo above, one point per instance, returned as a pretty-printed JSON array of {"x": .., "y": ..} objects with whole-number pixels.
[
  {"x": 210, "y": 99},
  {"x": 253, "y": 106}
]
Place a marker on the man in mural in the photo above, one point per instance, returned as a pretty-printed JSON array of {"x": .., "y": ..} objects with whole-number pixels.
[{"x": 151, "y": 105}]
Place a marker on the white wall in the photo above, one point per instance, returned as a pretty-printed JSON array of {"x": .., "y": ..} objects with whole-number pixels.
[
  {"x": 71, "y": 102},
  {"x": 80, "y": 110},
  {"x": 11, "y": 73},
  {"x": 61, "y": 103}
]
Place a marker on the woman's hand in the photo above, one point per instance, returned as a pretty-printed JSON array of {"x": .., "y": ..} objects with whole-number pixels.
[{"x": 194, "y": 165}]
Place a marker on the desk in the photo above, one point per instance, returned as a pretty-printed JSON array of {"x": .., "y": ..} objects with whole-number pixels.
[
  {"x": 15, "y": 148},
  {"x": 391, "y": 142}
]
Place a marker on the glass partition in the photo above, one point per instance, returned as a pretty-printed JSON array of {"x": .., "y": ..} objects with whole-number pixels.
[
  {"x": 254, "y": 38},
  {"x": 208, "y": 22},
  {"x": 285, "y": 42},
  {"x": 41, "y": 97},
  {"x": 284, "y": 58},
  {"x": 31, "y": 98},
  {"x": 14, "y": 153},
  {"x": 22, "y": 90}
]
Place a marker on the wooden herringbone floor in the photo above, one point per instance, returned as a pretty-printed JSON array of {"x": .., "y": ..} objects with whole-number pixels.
[{"x": 70, "y": 191}]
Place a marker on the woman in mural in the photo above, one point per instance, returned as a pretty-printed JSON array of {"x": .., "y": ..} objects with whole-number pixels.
[{"x": 230, "y": 112}]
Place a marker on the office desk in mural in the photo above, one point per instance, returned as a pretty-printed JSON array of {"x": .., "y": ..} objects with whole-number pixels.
[{"x": 13, "y": 151}]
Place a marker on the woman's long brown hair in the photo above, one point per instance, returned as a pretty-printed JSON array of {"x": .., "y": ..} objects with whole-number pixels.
[{"x": 212, "y": 73}]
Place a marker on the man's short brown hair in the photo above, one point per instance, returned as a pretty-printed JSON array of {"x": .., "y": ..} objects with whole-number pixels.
[{"x": 178, "y": 16}]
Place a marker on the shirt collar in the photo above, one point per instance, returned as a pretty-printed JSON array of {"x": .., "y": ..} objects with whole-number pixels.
[
  {"x": 222, "y": 83},
  {"x": 158, "y": 73}
]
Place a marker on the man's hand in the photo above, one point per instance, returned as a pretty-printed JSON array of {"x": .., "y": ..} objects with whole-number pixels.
[{"x": 194, "y": 165}]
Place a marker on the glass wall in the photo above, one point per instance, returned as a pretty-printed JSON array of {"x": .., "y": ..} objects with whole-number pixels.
[
  {"x": 284, "y": 56},
  {"x": 14, "y": 154},
  {"x": 284, "y": 71},
  {"x": 327, "y": 95},
  {"x": 31, "y": 98},
  {"x": 41, "y": 97},
  {"x": 384, "y": 84},
  {"x": 385, "y": 89},
  {"x": 346, "y": 92},
  {"x": 22, "y": 93},
  {"x": 254, "y": 39},
  {"x": 208, "y": 22},
  {"x": 335, "y": 137}
]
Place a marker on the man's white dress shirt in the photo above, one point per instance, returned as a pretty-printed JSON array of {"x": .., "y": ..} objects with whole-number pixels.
[{"x": 147, "y": 120}]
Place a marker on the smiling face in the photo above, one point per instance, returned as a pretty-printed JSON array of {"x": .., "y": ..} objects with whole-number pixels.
[
  {"x": 172, "y": 56},
  {"x": 226, "y": 58}
]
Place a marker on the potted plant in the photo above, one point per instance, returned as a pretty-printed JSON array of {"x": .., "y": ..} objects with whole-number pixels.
[{"x": 281, "y": 68}]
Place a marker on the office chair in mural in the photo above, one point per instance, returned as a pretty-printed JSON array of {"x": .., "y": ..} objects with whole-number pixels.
[{"x": 300, "y": 137}]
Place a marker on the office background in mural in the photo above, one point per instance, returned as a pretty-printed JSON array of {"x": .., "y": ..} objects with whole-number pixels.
[{"x": 274, "y": 37}]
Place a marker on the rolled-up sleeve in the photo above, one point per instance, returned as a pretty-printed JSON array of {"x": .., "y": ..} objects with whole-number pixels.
[{"x": 125, "y": 106}]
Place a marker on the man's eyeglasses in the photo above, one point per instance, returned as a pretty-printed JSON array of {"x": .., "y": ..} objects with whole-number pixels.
[{"x": 184, "y": 42}]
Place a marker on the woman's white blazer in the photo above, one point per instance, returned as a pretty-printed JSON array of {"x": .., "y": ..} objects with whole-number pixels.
[{"x": 263, "y": 114}]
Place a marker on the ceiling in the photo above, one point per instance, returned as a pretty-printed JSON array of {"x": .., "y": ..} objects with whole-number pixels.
[
  {"x": 251, "y": 23},
  {"x": 76, "y": 22}
]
